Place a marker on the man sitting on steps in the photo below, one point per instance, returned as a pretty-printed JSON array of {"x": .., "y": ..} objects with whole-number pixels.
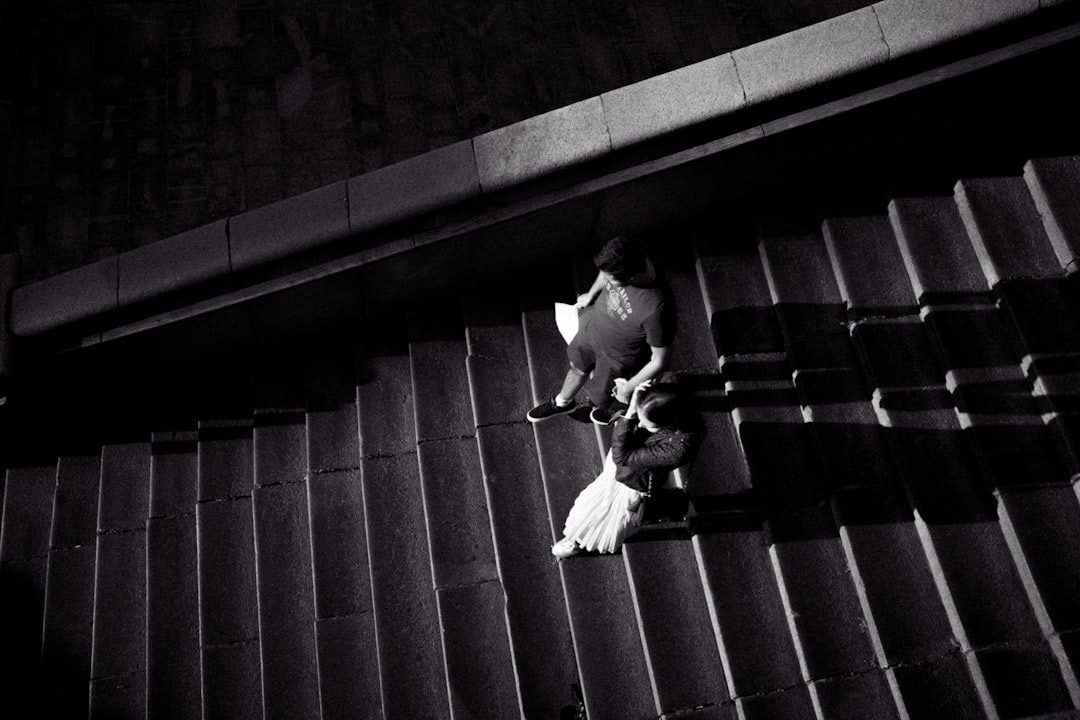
[{"x": 622, "y": 341}]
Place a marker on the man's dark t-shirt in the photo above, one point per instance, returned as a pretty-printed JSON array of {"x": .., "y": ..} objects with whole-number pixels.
[
  {"x": 626, "y": 317},
  {"x": 616, "y": 332}
]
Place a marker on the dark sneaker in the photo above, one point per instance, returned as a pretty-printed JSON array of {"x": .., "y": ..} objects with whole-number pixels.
[
  {"x": 600, "y": 416},
  {"x": 550, "y": 409}
]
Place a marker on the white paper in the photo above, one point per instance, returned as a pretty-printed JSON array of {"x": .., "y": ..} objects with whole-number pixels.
[{"x": 566, "y": 319}]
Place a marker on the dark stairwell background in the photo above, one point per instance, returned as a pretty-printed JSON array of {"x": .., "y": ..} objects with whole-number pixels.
[{"x": 122, "y": 123}]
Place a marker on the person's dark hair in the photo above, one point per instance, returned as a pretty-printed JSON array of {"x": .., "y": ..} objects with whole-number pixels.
[
  {"x": 621, "y": 257},
  {"x": 663, "y": 408}
]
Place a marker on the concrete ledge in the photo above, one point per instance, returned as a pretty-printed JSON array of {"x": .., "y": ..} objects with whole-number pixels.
[
  {"x": 417, "y": 185},
  {"x": 909, "y": 26},
  {"x": 556, "y": 140},
  {"x": 176, "y": 262},
  {"x": 811, "y": 56},
  {"x": 65, "y": 298},
  {"x": 672, "y": 101},
  {"x": 542, "y": 144},
  {"x": 290, "y": 226}
]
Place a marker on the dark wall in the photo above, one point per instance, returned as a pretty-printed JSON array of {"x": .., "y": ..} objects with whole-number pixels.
[{"x": 122, "y": 123}]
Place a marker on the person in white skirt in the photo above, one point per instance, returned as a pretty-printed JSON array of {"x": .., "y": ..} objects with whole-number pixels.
[{"x": 656, "y": 435}]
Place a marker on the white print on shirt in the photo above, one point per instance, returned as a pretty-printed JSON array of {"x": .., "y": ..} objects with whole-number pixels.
[{"x": 618, "y": 302}]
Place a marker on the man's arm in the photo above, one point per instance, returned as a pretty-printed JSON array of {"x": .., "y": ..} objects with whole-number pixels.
[
  {"x": 588, "y": 297},
  {"x": 658, "y": 362}
]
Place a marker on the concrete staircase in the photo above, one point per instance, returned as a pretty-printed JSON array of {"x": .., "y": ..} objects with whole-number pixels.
[{"x": 884, "y": 520}]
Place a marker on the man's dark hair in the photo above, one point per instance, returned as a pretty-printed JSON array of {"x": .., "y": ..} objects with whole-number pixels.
[{"x": 621, "y": 257}]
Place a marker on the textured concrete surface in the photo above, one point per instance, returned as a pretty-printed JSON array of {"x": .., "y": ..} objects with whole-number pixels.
[
  {"x": 1005, "y": 229},
  {"x": 541, "y": 144},
  {"x": 298, "y": 223},
  {"x": 672, "y": 101},
  {"x": 1048, "y": 180},
  {"x": 867, "y": 263},
  {"x": 912, "y": 25},
  {"x": 810, "y": 56},
  {"x": 921, "y": 226},
  {"x": 61, "y": 299},
  {"x": 426, "y": 182},
  {"x": 176, "y": 262}
]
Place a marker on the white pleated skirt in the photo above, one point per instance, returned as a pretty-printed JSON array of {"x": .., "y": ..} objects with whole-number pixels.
[{"x": 604, "y": 513}]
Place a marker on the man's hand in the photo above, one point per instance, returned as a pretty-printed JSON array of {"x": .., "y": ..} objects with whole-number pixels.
[
  {"x": 622, "y": 390},
  {"x": 584, "y": 300}
]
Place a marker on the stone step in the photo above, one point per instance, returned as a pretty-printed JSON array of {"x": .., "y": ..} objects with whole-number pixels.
[
  {"x": 1053, "y": 183},
  {"x": 68, "y": 622},
  {"x": 717, "y": 468},
  {"x": 228, "y": 594},
  {"x": 1040, "y": 527},
  {"x": 906, "y": 619},
  {"x": 865, "y": 490},
  {"x": 817, "y": 591},
  {"x": 680, "y": 647},
  {"x": 868, "y": 266},
  {"x": 75, "y": 504},
  {"x": 864, "y": 695},
  {"x": 939, "y": 689},
  {"x": 960, "y": 591},
  {"x": 600, "y": 607},
  {"x": 606, "y": 636},
  {"x": 788, "y": 485},
  {"x": 921, "y": 427},
  {"x": 748, "y": 619},
  {"x": 897, "y": 353},
  {"x": 539, "y": 629},
  {"x": 286, "y": 603},
  {"x": 993, "y": 398},
  {"x": 741, "y": 315},
  {"x": 991, "y": 615},
  {"x": 344, "y": 625},
  {"x": 1042, "y": 315},
  {"x": 173, "y": 656},
  {"x": 282, "y": 539},
  {"x": 66, "y": 645},
  {"x": 691, "y": 351},
  {"x": 329, "y": 392},
  {"x": 938, "y": 266},
  {"x": 118, "y": 660},
  {"x": 802, "y": 286},
  {"x": 404, "y": 602},
  {"x": 470, "y": 598},
  {"x": 1004, "y": 226},
  {"x": 1023, "y": 680}
]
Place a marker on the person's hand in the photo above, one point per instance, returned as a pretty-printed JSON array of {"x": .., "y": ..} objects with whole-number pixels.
[
  {"x": 584, "y": 300},
  {"x": 621, "y": 391},
  {"x": 635, "y": 395}
]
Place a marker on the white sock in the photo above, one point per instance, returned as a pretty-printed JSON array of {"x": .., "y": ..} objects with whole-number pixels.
[{"x": 560, "y": 402}]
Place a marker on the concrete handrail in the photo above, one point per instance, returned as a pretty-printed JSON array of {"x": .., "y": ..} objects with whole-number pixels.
[{"x": 495, "y": 161}]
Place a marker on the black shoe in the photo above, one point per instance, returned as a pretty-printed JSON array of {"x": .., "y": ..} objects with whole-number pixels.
[
  {"x": 550, "y": 409},
  {"x": 601, "y": 416}
]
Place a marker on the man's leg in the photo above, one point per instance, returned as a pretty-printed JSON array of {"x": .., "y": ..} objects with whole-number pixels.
[
  {"x": 563, "y": 402},
  {"x": 573, "y": 382}
]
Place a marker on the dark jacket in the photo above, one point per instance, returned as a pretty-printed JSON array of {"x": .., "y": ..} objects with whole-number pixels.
[{"x": 643, "y": 459}]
